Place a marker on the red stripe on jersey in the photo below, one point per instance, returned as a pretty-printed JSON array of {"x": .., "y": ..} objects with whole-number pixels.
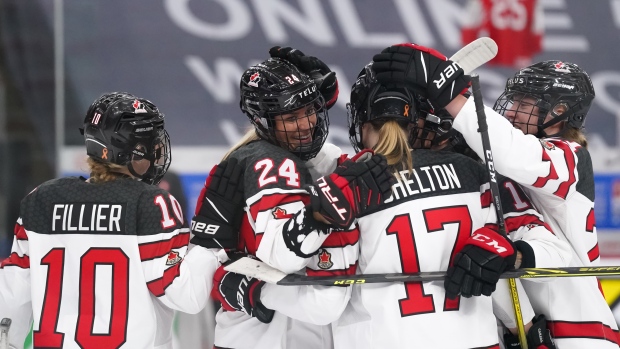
[
  {"x": 597, "y": 330},
  {"x": 270, "y": 201},
  {"x": 541, "y": 181},
  {"x": 594, "y": 253},
  {"x": 156, "y": 249},
  {"x": 590, "y": 221},
  {"x": 486, "y": 199},
  {"x": 492, "y": 226},
  {"x": 17, "y": 261},
  {"x": 158, "y": 286},
  {"x": 332, "y": 272},
  {"x": 569, "y": 156},
  {"x": 20, "y": 232},
  {"x": 514, "y": 223},
  {"x": 247, "y": 239},
  {"x": 342, "y": 238}
]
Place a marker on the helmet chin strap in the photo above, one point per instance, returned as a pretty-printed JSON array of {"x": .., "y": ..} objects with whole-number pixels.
[
  {"x": 556, "y": 119},
  {"x": 134, "y": 173}
]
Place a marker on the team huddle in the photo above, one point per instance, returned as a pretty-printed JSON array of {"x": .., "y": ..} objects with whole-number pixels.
[{"x": 104, "y": 262}]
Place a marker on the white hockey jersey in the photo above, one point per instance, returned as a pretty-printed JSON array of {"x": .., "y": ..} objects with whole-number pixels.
[
  {"x": 101, "y": 265},
  {"x": 426, "y": 222},
  {"x": 557, "y": 175},
  {"x": 303, "y": 313}
]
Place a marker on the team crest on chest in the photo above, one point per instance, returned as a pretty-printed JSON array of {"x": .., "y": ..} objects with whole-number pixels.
[
  {"x": 325, "y": 259},
  {"x": 173, "y": 258}
]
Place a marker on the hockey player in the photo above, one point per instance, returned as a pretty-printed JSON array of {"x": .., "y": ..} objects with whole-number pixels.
[
  {"x": 284, "y": 225},
  {"x": 102, "y": 262},
  {"x": 539, "y": 143},
  {"x": 438, "y": 209}
]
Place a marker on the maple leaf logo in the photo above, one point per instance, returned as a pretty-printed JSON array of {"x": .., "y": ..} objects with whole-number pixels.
[
  {"x": 280, "y": 213},
  {"x": 325, "y": 259},
  {"x": 173, "y": 258}
]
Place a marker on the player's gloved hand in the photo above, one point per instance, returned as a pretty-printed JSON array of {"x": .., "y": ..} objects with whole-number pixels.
[
  {"x": 219, "y": 209},
  {"x": 538, "y": 337},
  {"x": 476, "y": 269},
  {"x": 424, "y": 69},
  {"x": 323, "y": 77},
  {"x": 238, "y": 292},
  {"x": 357, "y": 186}
]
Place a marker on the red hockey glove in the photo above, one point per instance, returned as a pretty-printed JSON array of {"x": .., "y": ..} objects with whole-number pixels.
[
  {"x": 477, "y": 267},
  {"x": 424, "y": 69},
  {"x": 238, "y": 292},
  {"x": 538, "y": 337},
  {"x": 356, "y": 187},
  {"x": 219, "y": 209},
  {"x": 323, "y": 77}
]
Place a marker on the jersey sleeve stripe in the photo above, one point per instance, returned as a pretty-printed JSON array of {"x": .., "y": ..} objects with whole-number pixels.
[
  {"x": 486, "y": 198},
  {"x": 333, "y": 272},
  {"x": 342, "y": 238},
  {"x": 514, "y": 223},
  {"x": 15, "y": 260},
  {"x": 590, "y": 221},
  {"x": 594, "y": 253},
  {"x": 20, "y": 232},
  {"x": 158, "y": 286},
  {"x": 269, "y": 201},
  {"x": 156, "y": 249},
  {"x": 569, "y": 156},
  {"x": 542, "y": 181},
  {"x": 597, "y": 330}
]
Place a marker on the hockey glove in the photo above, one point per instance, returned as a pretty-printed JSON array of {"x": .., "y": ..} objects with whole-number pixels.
[
  {"x": 219, "y": 209},
  {"x": 538, "y": 337},
  {"x": 424, "y": 69},
  {"x": 238, "y": 292},
  {"x": 357, "y": 186},
  {"x": 323, "y": 77},
  {"x": 478, "y": 266}
]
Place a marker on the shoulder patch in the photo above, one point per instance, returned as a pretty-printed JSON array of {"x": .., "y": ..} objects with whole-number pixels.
[
  {"x": 173, "y": 258},
  {"x": 546, "y": 144},
  {"x": 325, "y": 259}
]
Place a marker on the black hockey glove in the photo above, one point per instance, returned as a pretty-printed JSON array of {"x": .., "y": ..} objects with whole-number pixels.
[
  {"x": 424, "y": 69},
  {"x": 538, "y": 337},
  {"x": 238, "y": 292},
  {"x": 323, "y": 77},
  {"x": 478, "y": 266},
  {"x": 357, "y": 186},
  {"x": 219, "y": 209}
]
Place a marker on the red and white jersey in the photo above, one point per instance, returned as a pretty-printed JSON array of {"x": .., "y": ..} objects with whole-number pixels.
[
  {"x": 101, "y": 265},
  {"x": 426, "y": 222},
  {"x": 274, "y": 180},
  {"x": 558, "y": 177}
]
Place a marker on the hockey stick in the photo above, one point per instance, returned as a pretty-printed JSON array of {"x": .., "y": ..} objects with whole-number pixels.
[
  {"x": 475, "y": 54},
  {"x": 257, "y": 269},
  {"x": 5, "y": 325},
  {"x": 488, "y": 154}
]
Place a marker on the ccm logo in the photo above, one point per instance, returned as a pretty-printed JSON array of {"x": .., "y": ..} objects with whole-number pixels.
[
  {"x": 490, "y": 165},
  {"x": 201, "y": 227},
  {"x": 489, "y": 242},
  {"x": 446, "y": 73},
  {"x": 332, "y": 200}
]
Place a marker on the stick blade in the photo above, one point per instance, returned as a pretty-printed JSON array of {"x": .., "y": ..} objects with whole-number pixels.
[
  {"x": 475, "y": 54},
  {"x": 256, "y": 269}
]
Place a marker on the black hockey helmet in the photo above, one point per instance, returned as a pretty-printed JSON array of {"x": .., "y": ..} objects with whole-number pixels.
[
  {"x": 274, "y": 88},
  {"x": 122, "y": 129},
  {"x": 435, "y": 128},
  {"x": 547, "y": 85},
  {"x": 372, "y": 101}
]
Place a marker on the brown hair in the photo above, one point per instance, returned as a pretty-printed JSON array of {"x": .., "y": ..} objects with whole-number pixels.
[
  {"x": 575, "y": 135},
  {"x": 103, "y": 171},
  {"x": 393, "y": 144}
]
